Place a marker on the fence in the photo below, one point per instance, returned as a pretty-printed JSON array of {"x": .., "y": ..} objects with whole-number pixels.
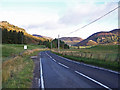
[{"x": 99, "y": 56}]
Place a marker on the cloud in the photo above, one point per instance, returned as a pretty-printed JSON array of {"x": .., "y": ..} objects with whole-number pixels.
[
  {"x": 81, "y": 14},
  {"x": 49, "y": 25},
  {"x": 87, "y": 12},
  {"x": 51, "y": 19}
]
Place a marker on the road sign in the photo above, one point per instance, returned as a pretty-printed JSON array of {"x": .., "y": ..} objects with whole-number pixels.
[{"x": 25, "y": 47}]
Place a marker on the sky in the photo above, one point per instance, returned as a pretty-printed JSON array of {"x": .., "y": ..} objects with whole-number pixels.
[{"x": 60, "y": 17}]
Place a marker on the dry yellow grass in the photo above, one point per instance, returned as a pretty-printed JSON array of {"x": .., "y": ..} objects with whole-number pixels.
[
  {"x": 11, "y": 66},
  {"x": 93, "y": 55},
  {"x": 15, "y": 64}
]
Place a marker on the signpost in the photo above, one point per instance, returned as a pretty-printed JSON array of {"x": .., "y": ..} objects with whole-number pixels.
[{"x": 25, "y": 47}]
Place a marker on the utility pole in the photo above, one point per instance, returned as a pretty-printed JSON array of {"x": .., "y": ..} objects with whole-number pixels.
[
  {"x": 51, "y": 45},
  {"x": 58, "y": 43}
]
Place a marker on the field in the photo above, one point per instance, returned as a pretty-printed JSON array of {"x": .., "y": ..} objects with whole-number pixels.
[
  {"x": 12, "y": 50},
  {"x": 102, "y": 52},
  {"x": 17, "y": 67},
  {"x": 102, "y": 55}
]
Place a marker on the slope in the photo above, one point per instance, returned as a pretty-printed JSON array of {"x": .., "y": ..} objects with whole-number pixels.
[
  {"x": 29, "y": 38},
  {"x": 71, "y": 40},
  {"x": 110, "y": 37}
]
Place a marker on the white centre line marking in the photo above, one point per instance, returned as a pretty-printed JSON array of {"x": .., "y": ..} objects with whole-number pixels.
[
  {"x": 63, "y": 65},
  {"x": 100, "y": 68},
  {"x": 41, "y": 76},
  {"x": 54, "y": 60},
  {"x": 49, "y": 55},
  {"x": 93, "y": 80},
  {"x": 51, "y": 58}
]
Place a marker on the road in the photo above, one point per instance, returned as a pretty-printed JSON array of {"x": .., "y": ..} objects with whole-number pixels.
[{"x": 59, "y": 72}]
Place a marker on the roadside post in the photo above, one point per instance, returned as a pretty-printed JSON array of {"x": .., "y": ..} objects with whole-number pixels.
[
  {"x": 25, "y": 47},
  {"x": 58, "y": 43}
]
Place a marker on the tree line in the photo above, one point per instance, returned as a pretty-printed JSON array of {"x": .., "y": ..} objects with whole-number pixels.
[
  {"x": 54, "y": 44},
  {"x": 12, "y": 37}
]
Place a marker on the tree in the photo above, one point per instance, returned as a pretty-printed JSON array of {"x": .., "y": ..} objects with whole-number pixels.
[
  {"x": 4, "y": 36},
  {"x": 40, "y": 43},
  {"x": 10, "y": 37},
  {"x": 14, "y": 36},
  {"x": 19, "y": 37}
]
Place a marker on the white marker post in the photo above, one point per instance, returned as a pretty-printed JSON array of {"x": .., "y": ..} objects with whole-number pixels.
[{"x": 25, "y": 47}]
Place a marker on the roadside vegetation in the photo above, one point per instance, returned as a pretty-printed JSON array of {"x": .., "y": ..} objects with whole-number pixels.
[
  {"x": 12, "y": 50},
  {"x": 106, "y": 56},
  {"x": 17, "y": 72}
]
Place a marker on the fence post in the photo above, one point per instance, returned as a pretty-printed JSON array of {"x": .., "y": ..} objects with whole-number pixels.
[
  {"x": 117, "y": 58},
  {"x": 81, "y": 55},
  {"x": 106, "y": 56},
  {"x": 71, "y": 54},
  {"x": 91, "y": 55},
  {"x": 85, "y": 54},
  {"x": 98, "y": 56}
]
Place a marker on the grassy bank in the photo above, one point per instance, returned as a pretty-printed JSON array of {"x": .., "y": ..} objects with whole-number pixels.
[
  {"x": 105, "y": 64},
  {"x": 12, "y": 50},
  {"x": 18, "y": 72},
  {"x": 17, "y": 69},
  {"x": 106, "y": 56},
  {"x": 100, "y": 52}
]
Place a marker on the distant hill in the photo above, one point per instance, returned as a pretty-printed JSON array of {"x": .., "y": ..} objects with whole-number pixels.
[
  {"x": 110, "y": 37},
  {"x": 71, "y": 40},
  {"x": 29, "y": 38},
  {"x": 42, "y": 36}
]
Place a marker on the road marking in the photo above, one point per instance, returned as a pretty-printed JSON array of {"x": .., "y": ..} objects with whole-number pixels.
[
  {"x": 93, "y": 80},
  {"x": 39, "y": 83},
  {"x": 63, "y": 65},
  {"x": 101, "y": 68},
  {"x": 54, "y": 60},
  {"x": 90, "y": 65},
  {"x": 58, "y": 63},
  {"x": 51, "y": 58},
  {"x": 41, "y": 76},
  {"x": 49, "y": 55}
]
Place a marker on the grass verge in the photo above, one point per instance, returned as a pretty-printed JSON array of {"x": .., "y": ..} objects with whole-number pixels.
[
  {"x": 101, "y": 63},
  {"x": 18, "y": 72},
  {"x": 12, "y": 50}
]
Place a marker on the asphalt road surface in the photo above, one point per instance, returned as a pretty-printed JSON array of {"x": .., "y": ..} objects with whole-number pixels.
[{"x": 59, "y": 72}]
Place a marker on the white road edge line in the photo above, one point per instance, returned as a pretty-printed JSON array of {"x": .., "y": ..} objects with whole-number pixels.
[
  {"x": 41, "y": 76},
  {"x": 93, "y": 80},
  {"x": 92, "y": 66},
  {"x": 63, "y": 65}
]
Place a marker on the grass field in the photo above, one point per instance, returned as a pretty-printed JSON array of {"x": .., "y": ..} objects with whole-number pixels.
[
  {"x": 11, "y": 50},
  {"x": 96, "y": 49},
  {"x": 106, "y": 64},
  {"x": 106, "y": 56},
  {"x": 102, "y": 52},
  {"x": 17, "y": 71}
]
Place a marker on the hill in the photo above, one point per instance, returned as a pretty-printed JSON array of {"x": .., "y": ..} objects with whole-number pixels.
[
  {"x": 36, "y": 35},
  {"x": 4, "y": 25},
  {"x": 110, "y": 37},
  {"x": 71, "y": 40}
]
